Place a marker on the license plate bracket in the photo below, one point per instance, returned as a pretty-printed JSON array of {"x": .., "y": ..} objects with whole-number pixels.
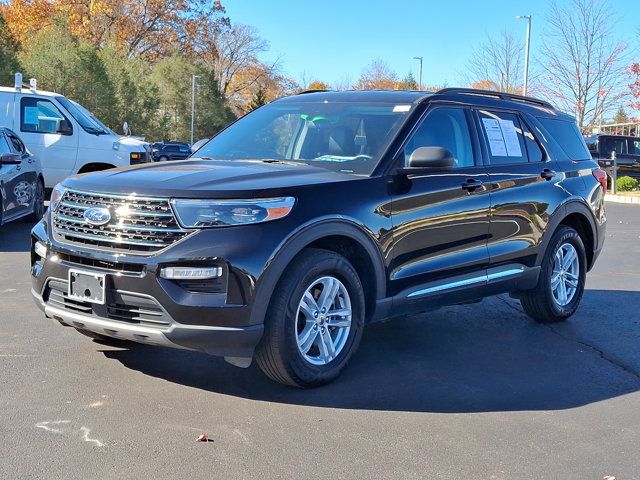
[{"x": 87, "y": 286}]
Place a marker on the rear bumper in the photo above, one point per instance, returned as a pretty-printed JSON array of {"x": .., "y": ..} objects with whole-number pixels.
[{"x": 214, "y": 340}]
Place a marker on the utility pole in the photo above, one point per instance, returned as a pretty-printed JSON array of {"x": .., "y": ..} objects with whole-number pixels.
[
  {"x": 193, "y": 103},
  {"x": 526, "y": 52},
  {"x": 419, "y": 81}
]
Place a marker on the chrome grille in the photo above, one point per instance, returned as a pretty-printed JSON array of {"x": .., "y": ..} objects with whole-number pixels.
[{"x": 138, "y": 224}]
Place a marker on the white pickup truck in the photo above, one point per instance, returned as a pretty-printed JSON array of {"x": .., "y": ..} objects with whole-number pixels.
[{"x": 65, "y": 136}]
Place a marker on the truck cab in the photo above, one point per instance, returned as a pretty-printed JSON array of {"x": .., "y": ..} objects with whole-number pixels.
[
  {"x": 626, "y": 148},
  {"x": 66, "y": 137}
]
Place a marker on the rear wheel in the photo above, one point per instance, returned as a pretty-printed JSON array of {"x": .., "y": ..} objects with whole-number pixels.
[
  {"x": 38, "y": 206},
  {"x": 562, "y": 279},
  {"x": 314, "y": 322},
  {"x": 163, "y": 158}
]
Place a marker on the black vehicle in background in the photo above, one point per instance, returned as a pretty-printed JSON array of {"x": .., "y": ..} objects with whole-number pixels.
[
  {"x": 319, "y": 213},
  {"x": 163, "y": 151},
  {"x": 627, "y": 152}
]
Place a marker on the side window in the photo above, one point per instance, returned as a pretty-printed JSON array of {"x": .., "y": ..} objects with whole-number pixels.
[
  {"x": 4, "y": 146},
  {"x": 610, "y": 144},
  {"x": 533, "y": 148},
  {"x": 38, "y": 115},
  {"x": 568, "y": 136},
  {"x": 634, "y": 147},
  {"x": 505, "y": 138},
  {"x": 444, "y": 127},
  {"x": 18, "y": 146}
]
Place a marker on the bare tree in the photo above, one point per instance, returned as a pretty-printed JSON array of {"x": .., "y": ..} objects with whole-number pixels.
[
  {"x": 498, "y": 63},
  {"x": 582, "y": 66},
  {"x": 377, "y": 75}
]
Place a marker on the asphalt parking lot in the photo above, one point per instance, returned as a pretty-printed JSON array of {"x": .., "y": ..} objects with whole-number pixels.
[{"x": 476, "y": 391}]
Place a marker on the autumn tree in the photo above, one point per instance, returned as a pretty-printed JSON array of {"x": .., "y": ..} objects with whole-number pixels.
[
  {"x": 378, "y": 75},
  {"x": 634, "y": 87},
  {"x": 318, "y": 85},
  {"x": 486, "y": 85},
  {"x": 582, "y": 62},
  {"x": 498, "y": 61},
  {"x": 259, "y": 99}
]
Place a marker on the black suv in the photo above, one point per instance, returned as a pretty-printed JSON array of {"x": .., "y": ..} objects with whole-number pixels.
[
  {"x": 164, "y": 151},
  {"x": 322, "y": 212},
  {"x": 627, "y": 152}
]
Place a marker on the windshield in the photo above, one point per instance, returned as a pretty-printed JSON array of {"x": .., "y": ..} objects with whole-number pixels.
[
  {"x": 340, "y": 136},
  {"x": 86, "y": 120}
]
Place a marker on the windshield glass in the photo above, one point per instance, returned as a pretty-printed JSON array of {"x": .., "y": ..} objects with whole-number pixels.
[
  {"x": 83, "y": 117},
  {"x": 340, "y": 136}
]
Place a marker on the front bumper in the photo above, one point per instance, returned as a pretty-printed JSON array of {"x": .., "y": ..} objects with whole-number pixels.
[{"x": 145, "y": 308}]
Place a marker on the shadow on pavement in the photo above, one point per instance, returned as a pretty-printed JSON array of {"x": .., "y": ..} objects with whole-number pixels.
[
  {"x": 486, "y": 357},
  {"x": 15, "y": 236}
]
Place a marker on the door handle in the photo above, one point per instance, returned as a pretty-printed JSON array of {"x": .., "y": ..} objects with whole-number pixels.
[
  {"x": 471, "y": 184},
  {"x": 547, "y": 174}
]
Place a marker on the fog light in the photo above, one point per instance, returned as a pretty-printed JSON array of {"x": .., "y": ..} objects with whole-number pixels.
[
  {"x": 190, "y": 273},
  {"x": 40, "y": 249}
]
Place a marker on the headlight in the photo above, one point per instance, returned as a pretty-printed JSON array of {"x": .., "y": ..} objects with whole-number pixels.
[
  {"x": 56, "y": 195},
  {"x": 220, "y": 213}
]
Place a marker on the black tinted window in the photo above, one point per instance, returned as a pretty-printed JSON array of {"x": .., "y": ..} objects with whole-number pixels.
[
  {"x": 444, "y": 127},
  {"x": 611, "y": 144},
  {"x": 18, "y": 146},
  {"x": 568, "y": 136},
  {"x": 634, "y": 147},
  {"x": 504, "y": 137}
]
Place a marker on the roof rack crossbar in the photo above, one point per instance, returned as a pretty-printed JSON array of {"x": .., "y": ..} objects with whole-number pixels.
[{"x": 492, "y": 93}]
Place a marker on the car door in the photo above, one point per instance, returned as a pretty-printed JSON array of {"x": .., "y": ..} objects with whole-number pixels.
[
  {"x": 25, "y": 190},
  {"x": 11, "y": 177},
  {"x": 440, "y": 217},
  {"x": 50, "y": 135},
  {"x": 522, "y": 181}
]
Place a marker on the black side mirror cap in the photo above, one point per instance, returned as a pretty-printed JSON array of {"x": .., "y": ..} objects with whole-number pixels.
[
  {"x": 431, "y": 157},
  {"x": 10, "y": 159}
]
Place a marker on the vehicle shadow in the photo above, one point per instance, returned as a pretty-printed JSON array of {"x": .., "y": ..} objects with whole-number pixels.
[
  {"x": 15, "y": 236},
  {"x": 474, "y": 358}
]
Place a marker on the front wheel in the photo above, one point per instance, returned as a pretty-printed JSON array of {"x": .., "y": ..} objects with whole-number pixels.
[
  {"x": 314, "y": 322},
  {"x": 562, "y": 279}
]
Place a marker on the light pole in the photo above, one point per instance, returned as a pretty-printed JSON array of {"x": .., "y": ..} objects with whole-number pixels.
[
  {"x": 526, "y": 52},
  {"x": 193, "y": 103},
  {"x": 419, "y": 81}
]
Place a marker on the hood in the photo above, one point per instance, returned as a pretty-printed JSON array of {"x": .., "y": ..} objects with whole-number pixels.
[{"x": 199, "y": 178}]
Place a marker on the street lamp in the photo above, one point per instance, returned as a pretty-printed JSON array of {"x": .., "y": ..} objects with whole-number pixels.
[
  {"x": 526, "y": 52},
  {"x": 193, "y": 103},
  {"x": 419, "y": 81}
]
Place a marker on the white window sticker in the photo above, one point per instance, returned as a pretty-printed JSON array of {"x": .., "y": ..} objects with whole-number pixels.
[
  {"x": 30, "y": 116},
  {"x": 402, "y": 108},
  {"x": 494, "y": 135},
  {"x": 510, "y": 138}
]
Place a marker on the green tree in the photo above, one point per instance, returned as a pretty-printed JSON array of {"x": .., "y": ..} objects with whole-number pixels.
[
  {"x": 408, "y": 83},
  {"x": 259, "y": 98},
  {"x": 9, "y": 63},
  {"x": 621, "y": 116}
]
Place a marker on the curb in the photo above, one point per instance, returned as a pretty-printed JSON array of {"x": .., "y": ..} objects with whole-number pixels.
[{"x": 621, "y": 199}]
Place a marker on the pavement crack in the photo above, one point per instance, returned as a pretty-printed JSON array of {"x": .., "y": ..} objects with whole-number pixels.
[{"x": 601, "y": 353}]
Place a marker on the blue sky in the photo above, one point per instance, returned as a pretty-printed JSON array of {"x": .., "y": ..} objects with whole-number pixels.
[{"x": 331, "y": 39}]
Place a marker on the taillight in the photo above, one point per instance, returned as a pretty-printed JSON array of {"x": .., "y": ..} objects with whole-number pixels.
[{"x": 601, "y": 176}]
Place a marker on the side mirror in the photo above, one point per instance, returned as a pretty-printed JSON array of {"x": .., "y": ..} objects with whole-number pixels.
[
  {"x": 431, "y": 157},
  {"x": 198, "y": 145},
  {"x": 10, "y": 159},
  {"x": 125, "y": 129},
  {"x": 64, "y": 128}
]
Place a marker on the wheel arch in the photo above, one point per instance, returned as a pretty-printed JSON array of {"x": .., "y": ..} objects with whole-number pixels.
[
  {"x": 342, "y": 236},
  {"x": 578, "y": 216},
  {"x": 95, "y": 167}
]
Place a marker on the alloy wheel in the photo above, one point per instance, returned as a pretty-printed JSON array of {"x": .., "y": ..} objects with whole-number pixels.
[{"x": 565, "y": 276}]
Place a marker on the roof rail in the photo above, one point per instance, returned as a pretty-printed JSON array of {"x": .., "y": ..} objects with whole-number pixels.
[
  {"x": 502, "y": 95},
  {"x": 313, "y": 90}
]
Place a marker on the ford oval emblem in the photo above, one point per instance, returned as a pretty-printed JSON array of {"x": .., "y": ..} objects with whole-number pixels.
[{"x": 97, "y": 215}]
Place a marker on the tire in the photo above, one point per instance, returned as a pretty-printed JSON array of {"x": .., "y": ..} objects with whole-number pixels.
[
  {"x": 290, "y": 319},
  {"x": 546, "y": 303},
  {"x": 163, "y": 158},
  {"x": 38, "y": 207}
]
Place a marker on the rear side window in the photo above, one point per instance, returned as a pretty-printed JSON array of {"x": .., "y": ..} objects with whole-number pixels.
[
  {"x": 612, "y": 144},
  {"x": 17, "y": 144},
  {"x": 568, "y": 137},
  {"x": 505, "y": 139},
  {"x": 634, "y": 147}
]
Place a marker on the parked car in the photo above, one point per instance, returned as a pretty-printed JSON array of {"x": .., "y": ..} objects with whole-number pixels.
[
  {"x": 319, "y": 213},
  {"x": 164, "y": 151},
  {"x": 627, "y": 152},
  {"x": 21, "y": 181},
  {"x": 64, "y": 135}
]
